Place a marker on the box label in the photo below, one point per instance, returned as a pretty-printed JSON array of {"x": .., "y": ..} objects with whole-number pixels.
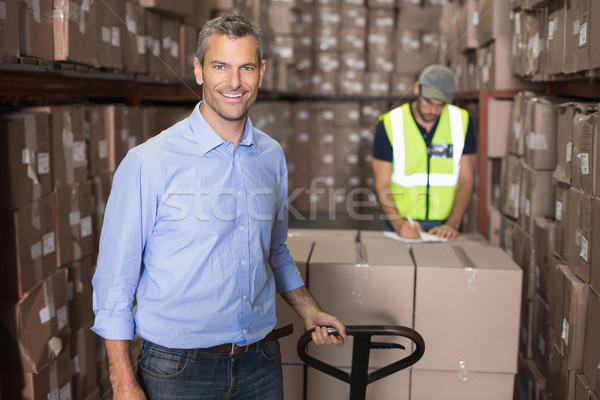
[
  {"x": 45, "y": 315},
  {"x": 105, "y": 34},
  {"x": 27, "y": 156},
  {"x": 48, "y": 243},
  {"x": 115, "y": 36},
  {"x": 62, "y": 317},
  {"x": 584, "y": 248},
  {"x": 583, "y": 34},
  {"x": 569, "y": 152},
  {"x": 74, "y": 218},
  {"x": 65, "y": 392},
  {"x": 86, "y": 226},
  {"x": 102, "y": 149},
  {"x": 584, "y": 163},
  {"x": 43, "y": 160},
  {"x": 565, "y": 331},
  {"x": 558, "y": 211},
  {"x": 2, "y": 10},
  {"x": 79, "y": 152},
  {"x": 36, "y": 250}
]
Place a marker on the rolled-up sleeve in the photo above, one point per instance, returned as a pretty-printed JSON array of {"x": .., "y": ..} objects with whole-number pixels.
[
  {"x": 128, "y": 222},
  {"x": 286, "y": 274}
]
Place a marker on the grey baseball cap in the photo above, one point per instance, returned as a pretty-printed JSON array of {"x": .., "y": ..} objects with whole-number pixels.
[{"x": 437, "y": 82}]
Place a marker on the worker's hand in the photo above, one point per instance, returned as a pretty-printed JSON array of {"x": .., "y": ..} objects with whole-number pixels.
[
  {"x": 131, "y": 392},
  {"x": 320, "y": 336},
  {"x": 406, "y": 229},
  {"x": 445, "y": 231}
]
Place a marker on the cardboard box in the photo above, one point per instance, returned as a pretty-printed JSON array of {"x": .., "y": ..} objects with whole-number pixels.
[
  {"x": 96, "y": 140},
  {"x": 537, "y": 196},
  {"x": 585, "y": 153},
  {"x": 110, "y": 33},
  {"x": 74, "y": 26},
  {"x": 74, "y": 222},
  {"x": 523, "y": 253},
  {"x": 101, "y": 185},
  {"x": 28, "y": 247},
  {"x": 459, "y": 385},
  {"x": 79, "y": 293},
  {"x": 134, "y": 45},
  {"x": 578, "y": 41},
  {"x": 526, "y": 330},
  {"x": 511, "y": 187},
  {"x": 591, "y": 356},
  {"x": 293, "y": 382},
  {"x": 495, "y": 180},
  {"x": 83, "y": 362},
  {"x": 561, "y": 215},
  {"x": 26, "y": 172},
  {"x": 155, "y": 67},
  {"x": 463, "y": 293},
  {"x": 530, "y": 382},
  {"x": 494, "y": 20},
  {"x": 570, "y": 317},
  {"x": 53, "y": 382},
  {"x": 556, "y": 37},
  {"x": 580, "y": 234},
  {"x": 300, "y": 248},
  {"x": 188, "y": 41},
  {"x": 181, "y": 8},
  {"x": 498, "y": 127},
  {"x": 544, "y": 234},
  {"x": 35, "y": 29},
  {"x": 564, "y": 142},
  {"x": 170, "y": 52},
  {"x": 541, "y": 340},
  {"x": 594, "y": 32},
  {"x": 540, "y": 130},
  {"x": 320, "y": 386},
  {"x": 516, "y": 140},
  {"x": 374, "y": 286},
  {"x": 9, "y": 29},
  {"x": 37, "y": 326},
  {"x": 413, "y": 16},
  {"x": 594, "y": 266},
  {"x": 560, "y": 380},
  {"x": 494, "y": 226}
]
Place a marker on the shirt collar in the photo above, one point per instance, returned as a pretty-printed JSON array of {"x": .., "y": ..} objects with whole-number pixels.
[{"x": 208, "y": 138}]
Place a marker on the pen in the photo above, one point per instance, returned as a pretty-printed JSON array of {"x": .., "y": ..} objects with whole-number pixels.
[{"x": 409, "y": 218}]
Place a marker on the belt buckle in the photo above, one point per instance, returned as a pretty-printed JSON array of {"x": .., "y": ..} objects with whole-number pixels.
[{"x": 233, "y": 346}]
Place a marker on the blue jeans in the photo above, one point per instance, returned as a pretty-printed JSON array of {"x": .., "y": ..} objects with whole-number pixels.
[
  {"x": 165, "y": 373},
  {"x": 425, "y": 225}
]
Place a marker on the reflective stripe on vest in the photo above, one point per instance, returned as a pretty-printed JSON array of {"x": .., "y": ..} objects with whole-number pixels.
[{"x": 399, "y": 176}]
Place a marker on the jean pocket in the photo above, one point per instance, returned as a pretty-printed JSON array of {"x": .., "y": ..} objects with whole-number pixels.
[
  {"x": 270, "y": 350},
  {"x": 160, "y": 362}
]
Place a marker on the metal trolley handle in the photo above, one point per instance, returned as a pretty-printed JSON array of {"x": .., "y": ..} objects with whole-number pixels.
[{"x": 359, "y": 377}]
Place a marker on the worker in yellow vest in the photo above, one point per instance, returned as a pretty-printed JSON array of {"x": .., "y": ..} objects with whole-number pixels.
[{"x": 424, "y": 160}]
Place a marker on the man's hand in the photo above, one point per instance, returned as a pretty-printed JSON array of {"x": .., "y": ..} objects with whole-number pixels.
[
  {"x": 406, "y": 229},
  {"x": 320, "y": 322},
  {"x": 133, "y": 392},
  {"x": 445, "y": 231}
]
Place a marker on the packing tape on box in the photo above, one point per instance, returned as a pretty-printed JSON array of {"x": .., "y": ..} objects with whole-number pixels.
[
  {"x": 29, "y": 155},
  {"x": 470, "y": 267}
]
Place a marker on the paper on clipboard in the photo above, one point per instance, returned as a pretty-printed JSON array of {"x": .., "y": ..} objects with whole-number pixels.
[{"x": 424, "y": 237}]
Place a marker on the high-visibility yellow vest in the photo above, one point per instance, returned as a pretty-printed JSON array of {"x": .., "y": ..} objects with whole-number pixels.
[{"x": 424, "y": 182}]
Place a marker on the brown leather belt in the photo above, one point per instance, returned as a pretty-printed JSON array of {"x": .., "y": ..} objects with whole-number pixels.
[{"x": 232, "y": 348}]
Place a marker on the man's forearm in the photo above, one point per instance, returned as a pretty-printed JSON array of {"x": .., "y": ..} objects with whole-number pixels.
[
  {"x": 464, "y": 191},
  {"x": 302, "y": 301},
  {"x": 119, "y": 365}
]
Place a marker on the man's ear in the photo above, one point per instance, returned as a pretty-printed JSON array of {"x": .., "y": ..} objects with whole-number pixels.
[
  {"x": 198, "y": 71},
  {"x": 417, "y": 89}
]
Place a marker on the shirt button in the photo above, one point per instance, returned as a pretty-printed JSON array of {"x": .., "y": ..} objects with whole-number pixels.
[
  {"x": 243, "y": 262},
  {"x": 240, "y": 193},
  {"x": 245, "y": 331},
  {"x": 242, "y": 228},
  {"x": 245, "y": 297}
]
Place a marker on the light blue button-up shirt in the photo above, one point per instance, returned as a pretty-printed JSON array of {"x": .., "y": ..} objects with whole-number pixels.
[{"x": 195, "y": 230}]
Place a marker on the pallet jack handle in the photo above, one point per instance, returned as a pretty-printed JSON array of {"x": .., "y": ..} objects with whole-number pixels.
[{"x": 359, "y": 376}]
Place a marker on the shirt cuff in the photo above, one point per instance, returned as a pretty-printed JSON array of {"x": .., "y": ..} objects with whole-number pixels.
[{"x": 113, "y": 327}]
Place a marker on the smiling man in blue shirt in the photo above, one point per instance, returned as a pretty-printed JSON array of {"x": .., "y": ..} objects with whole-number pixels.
[{"x": 195, "y": 230}]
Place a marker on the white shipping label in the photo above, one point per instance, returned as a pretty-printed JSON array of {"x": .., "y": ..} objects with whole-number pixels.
[
  {"x": 115, "y": 36},
  {"x": 48, "y": 243},
  {"x": 67, "y": 138},
  {"x": 54, "y": 395},
  {"x": 36, "y": 250},
  {"x": 517, "y": 129},
  {"x": 175, "y": 49},
  {"x": 86, "y": 226},
  {"x": 582, "y": 34},
  {"x": 584, "y": 163},
  {"x": 27, "y": 156},
  {"x": 551, "y": 27},
  {"x": 37, "y": 15},
  {"x": 74, "y": 218},
  {"x": 62, "y": 317},
  {"x": 45, "y": 315},
  {"x": 105, "y": 34},
  {"x": 584, "y": 252},
  {"x": 79, "y": 152},
  {"x": 85, "y": 5},
  {"x": 2, "y": 10},
  {"x": 102, "y": 149},
  {"x": 166, "y": 42},
  {"x": 558, "y": 211},
  {"x": 141, "y": 45},
  {"x": 569, "y": 154},
  {"x": 512, "y": 191},
  {"x": 475, "y": 19},
  {"x": 517, "y": 24},
  {"x": 132, "y": 25},
  {"x": 565, "y": 331},
  {"x": 124, "y": 134},
  {"x": 527, "y": 207},
  {"x": 43, "y": 160},
  {"x": 65, "y": 392}
]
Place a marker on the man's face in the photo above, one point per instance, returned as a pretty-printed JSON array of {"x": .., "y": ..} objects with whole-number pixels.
[
  {"x": 429, "y": 109},
  {"x": 230, "y": 76}
]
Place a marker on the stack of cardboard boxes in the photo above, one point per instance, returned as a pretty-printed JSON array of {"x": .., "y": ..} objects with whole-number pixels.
[
  {"x": 462, "y": 297},
  {"x": 548, "y": 202}
]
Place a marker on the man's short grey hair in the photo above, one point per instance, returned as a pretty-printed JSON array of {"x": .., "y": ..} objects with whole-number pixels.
[{"x": 232, "y": 26}]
